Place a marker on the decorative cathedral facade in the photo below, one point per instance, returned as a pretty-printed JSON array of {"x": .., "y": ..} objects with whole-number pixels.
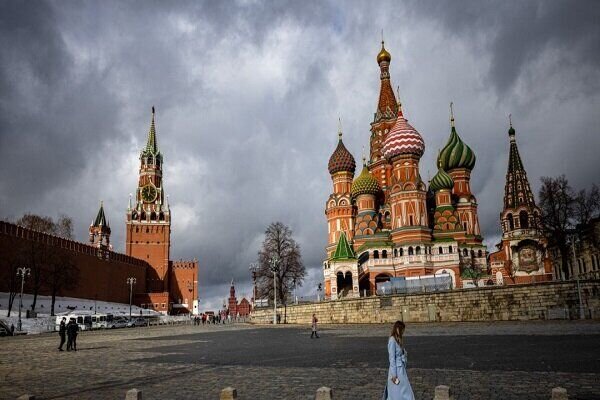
[
  {"x": 522, "y": 255},
  {"x": 387, "y": 222}
]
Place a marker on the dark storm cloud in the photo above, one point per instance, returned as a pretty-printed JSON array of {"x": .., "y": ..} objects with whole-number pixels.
[
  {"x": 248, "y": 95},
  {"x": 517, "y": 33}
]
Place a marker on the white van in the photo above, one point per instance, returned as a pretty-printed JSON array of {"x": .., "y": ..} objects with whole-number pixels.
[
  {"x": 99, "y": 321},
  {"x": 83, "y": 320}
]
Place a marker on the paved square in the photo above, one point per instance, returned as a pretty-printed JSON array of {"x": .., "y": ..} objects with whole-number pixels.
[{"x": 516, "y": 360}]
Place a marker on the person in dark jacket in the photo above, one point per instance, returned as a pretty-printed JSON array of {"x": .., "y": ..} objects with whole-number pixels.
[
  {"x": 62, "y": 332},
  {"x": 72, "y": 329}
]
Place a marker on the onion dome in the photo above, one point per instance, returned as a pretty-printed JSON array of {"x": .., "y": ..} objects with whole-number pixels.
[
  {"x": 403, "y": 139},
  {"x": 365, "y": 183},
  {"x": 456, "y": 154},
  {"x": 341, "y": 159},
  {"x": 383, "y": 55},
  {"x": 441, "y": 180},
  {"x": 511, "y": 130}
]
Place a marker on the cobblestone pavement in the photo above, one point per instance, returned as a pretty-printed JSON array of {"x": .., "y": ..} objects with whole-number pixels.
[{"x": 516, "y": 360}]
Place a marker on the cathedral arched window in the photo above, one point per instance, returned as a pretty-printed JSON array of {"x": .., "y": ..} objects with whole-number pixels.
[
  {"x": 134, "y": 215},
  {"x": 472, "y": 253},
  {"x": 410, "y": 251},
  {"x": 440, "y": 250},
  {"x": 480, "y": 253},
  {"x": 523, "y": 219},
  {"x": 465, "y": 252},
  {"x": 384, "y": 254},
  {"x": 395, "y": 252},
  {"x": 401, "y": 251},
  {"x": 143, "y": 216},
  {"x": 161, "y": 216},
  {"x": 449, "y": 249},
  {"x": 153, "y": 216},
  {"x": 376, "y": 254},
  {"x": 150, "y": 160},
  {"x": 418, "y": 250},
  {"x": 511, "y": 222}
]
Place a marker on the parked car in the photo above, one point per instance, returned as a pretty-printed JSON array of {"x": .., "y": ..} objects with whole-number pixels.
[
  {"x": 118, "y": 322},
  {"x": 136, "y": 322}
]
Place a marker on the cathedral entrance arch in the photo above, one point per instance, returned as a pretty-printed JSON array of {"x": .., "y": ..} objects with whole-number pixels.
[{"x": 344, "y": 283}]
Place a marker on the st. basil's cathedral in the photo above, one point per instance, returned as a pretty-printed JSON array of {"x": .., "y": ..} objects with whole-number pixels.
[{"x": 387, "y": 222}]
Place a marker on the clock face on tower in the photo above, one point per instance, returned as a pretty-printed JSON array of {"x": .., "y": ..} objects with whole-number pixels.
[{"x": 149, "y": 193}]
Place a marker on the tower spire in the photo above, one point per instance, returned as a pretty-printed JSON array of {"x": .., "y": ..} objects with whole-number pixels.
[
  {"x": 340, "y": 128},
  {"x": 386, "y": 106},
  {"x": 400, "y": 111},
  {"x": 452, "y": 114},
  {"x": 151, "y": 143}
]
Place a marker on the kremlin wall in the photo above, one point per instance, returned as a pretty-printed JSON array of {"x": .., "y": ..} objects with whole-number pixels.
[{"x": 99, "y": 278}]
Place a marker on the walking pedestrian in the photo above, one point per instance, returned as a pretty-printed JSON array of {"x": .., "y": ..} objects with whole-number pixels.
[
  {"x": 12, "y": 329},
  {"x": 314, "y": 327},
  {"x": 62, "y": 332},
  {"x": 397, "y": 386},
  {"x": 72, "y": 329},
  {"x": 69, "y": 329}
]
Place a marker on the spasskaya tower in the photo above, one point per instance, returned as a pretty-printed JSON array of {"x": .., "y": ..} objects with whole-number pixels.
[{"x": 149, "y": 217}]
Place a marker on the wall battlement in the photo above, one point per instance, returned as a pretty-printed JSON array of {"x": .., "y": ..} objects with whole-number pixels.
[{"x": 20, "y": 232}]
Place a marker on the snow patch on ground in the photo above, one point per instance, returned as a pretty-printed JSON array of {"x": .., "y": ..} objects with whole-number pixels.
[{"x": 63, "y": 305}]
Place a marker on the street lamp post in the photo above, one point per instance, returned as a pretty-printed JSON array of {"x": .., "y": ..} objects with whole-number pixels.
[
  {"x": 274, "y": 267},
  {"x": 130, "y": 281},
  {"x": 581, "y": 311},
  {"x": 319, "y": 288},
  {"x": 295, "y": 296},
  {"x": 190, "y": 287},
  {"x": 22, "y": 272},
  {"x": 253, "y": 268}
]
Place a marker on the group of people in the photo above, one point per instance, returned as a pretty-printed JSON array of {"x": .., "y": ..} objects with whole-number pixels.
[
  {"x": 69, "y": 332},
  {"x": 221, "y": 317}
]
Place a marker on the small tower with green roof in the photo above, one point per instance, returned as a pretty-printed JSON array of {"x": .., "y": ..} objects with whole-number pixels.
[
  {"x": 100, "y": 230},
  {"x": 445, "y": 218},
  {"x": 341, "y": 270}
]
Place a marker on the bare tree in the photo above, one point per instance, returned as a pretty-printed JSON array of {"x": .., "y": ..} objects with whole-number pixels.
[
  {"x": 62, "y": 273},
  {"x": 280, "y": 244},
  {"x": 40, "y": 253},
  {"x": 587, "y": 205},
  {"x": 10, "y": 275},
  {"x": 557, "y": 202}
]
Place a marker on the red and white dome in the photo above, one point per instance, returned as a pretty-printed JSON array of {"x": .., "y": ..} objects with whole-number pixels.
[{"x": 403, "y": 139}]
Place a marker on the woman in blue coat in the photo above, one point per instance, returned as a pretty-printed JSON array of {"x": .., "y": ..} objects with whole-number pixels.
[{"x": 397, "y": 387}]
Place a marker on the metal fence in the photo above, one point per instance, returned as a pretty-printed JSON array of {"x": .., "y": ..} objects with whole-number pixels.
[{"x": 420, "y": 284}]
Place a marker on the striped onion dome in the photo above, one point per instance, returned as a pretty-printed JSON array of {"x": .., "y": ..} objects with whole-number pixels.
[
  {"x": 403, "y": 139},
  {"x": 365, "y": 183},
  {"x": 441, "y": 180},
  {"x": 341, "y": 159},
  {"x": 456, "y": 154}
]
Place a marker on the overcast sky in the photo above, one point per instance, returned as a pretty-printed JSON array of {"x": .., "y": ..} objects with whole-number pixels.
[{"x": 248, "y": 94}]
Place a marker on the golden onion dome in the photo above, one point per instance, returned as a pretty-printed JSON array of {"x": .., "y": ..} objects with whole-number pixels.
[{"x": 383, "y": 55}]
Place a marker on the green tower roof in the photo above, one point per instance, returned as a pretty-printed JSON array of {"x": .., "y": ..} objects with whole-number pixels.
[
  {"x": 456, "y": 154},
  {"x": 151, "y": 144},
  {"x": 441, "y": 180},
  {"x": 365, "y": 183},
  {"x": 343, "y": 251},
  {"x": 100, "y": 218}
]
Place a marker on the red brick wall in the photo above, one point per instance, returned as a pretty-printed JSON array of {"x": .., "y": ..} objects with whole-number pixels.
[
  {"x": 184, "y": 275},
  {"x": 101, "y": 279}
]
